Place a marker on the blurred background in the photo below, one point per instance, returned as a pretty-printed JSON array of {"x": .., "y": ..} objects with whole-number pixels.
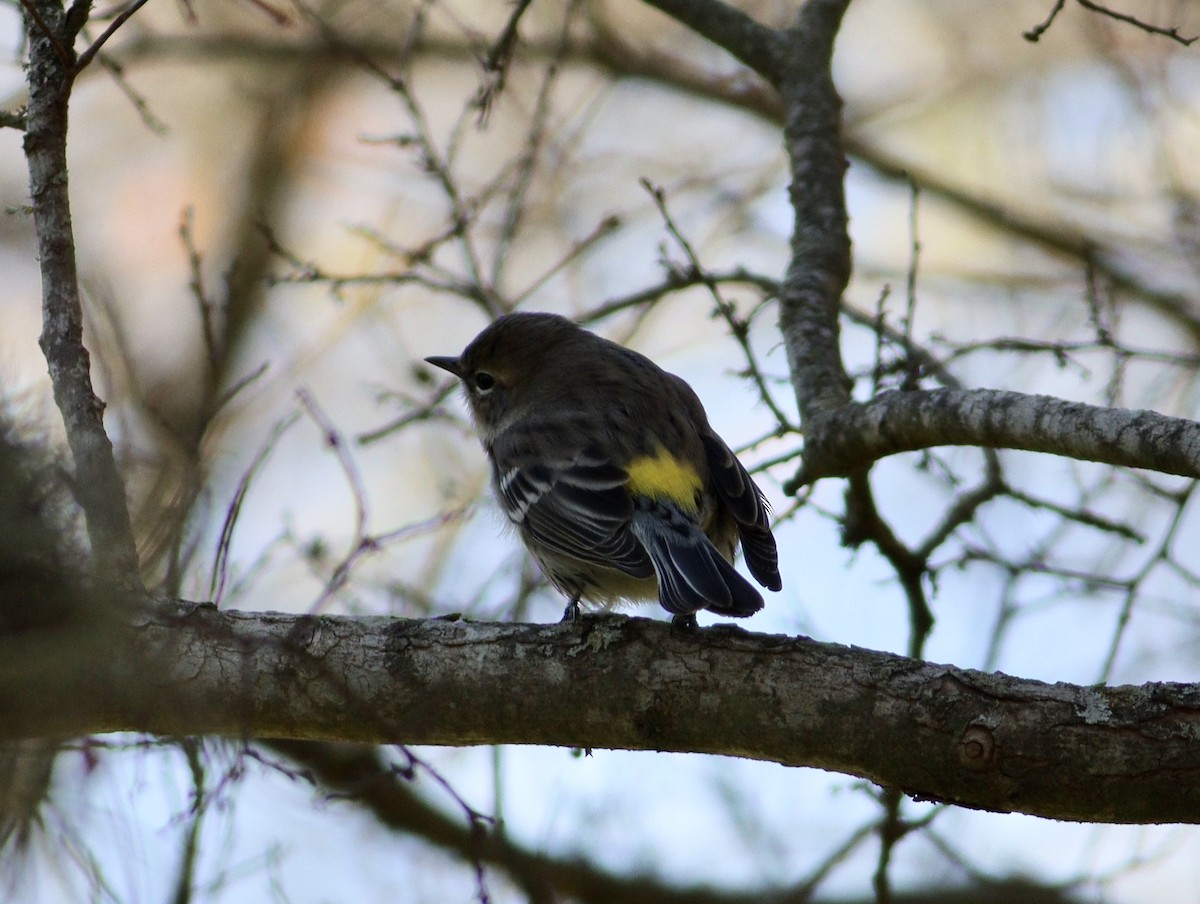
[{"x": 281, "y": 209}]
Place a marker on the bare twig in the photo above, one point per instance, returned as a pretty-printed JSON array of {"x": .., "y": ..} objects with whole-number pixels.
[
  {"x": 495, "y": 65},
  {"x": 12, "y": 119},
  {"x": 761, "y": 48},
  {"x": 1034, "y": 34},
  {"x": 117, "y": 72},
  {"x": 531, "y": 160},
  {"x": 738, "y": 328},
  {"x": 94, "y": 48},
  {"x": 361, "y": 542},
  {"x": 912, "y": 369},
  {"x": 1161, "y": 554},
  {"x": 1172, "y": 33},
  {"x": 220, "y": 570},
  {"x": 863, "y": 523},
  {"x": 205, "y": 307}
]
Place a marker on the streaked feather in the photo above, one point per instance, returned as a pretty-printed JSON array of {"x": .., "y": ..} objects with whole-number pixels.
[{"x": 578, "y": 507}]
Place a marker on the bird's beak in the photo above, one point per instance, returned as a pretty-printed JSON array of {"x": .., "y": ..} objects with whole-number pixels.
[{"x": 446, "y": 362}]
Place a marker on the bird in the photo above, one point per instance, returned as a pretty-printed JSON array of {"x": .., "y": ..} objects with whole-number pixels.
[{"x": 610, "y": 472}]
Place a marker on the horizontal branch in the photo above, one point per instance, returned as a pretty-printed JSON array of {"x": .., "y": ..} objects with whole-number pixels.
[
  {"x": 987, "y": 741},
  {"x": 845, "y": 440}
]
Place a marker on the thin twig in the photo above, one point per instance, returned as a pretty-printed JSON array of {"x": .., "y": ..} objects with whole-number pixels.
[
  {"x": 495, "y": 65},
  {"x": 117, "y": 71},
  {"x": 1034, "y": 34},
  {"x": 1172, "y": 33},
  {"x": 12, "y": 119},
  {"x": 912, "y": 374},
  {"x": 220, "y": 570},
  {"x": 94, "y": 48},
  {"x": 724, "y": 308}
]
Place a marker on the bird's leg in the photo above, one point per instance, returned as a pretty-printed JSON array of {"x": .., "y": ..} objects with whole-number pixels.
[
  {"x": 685, "y": 621},
  {"x": 571, "y": 613}
]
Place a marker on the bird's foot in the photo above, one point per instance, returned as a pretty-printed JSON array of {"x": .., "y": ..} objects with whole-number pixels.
[
  {"x": 685, "y": 621},
  {"x": 571, "y": 613}
]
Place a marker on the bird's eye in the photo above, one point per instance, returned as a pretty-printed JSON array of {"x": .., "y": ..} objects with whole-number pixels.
[{"x": 484, "y": 381}]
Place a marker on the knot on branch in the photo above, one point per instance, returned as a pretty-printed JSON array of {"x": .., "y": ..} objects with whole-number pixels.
[{"x": 977, "y": 748}]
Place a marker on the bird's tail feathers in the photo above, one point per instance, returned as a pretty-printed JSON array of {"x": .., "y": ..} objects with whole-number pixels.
[
  {"x": 692, "y": 574},
  {"x": 762, "y": 556}
]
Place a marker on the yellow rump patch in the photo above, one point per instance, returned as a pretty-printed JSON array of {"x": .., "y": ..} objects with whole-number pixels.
[{"x": 663, "y": 476}]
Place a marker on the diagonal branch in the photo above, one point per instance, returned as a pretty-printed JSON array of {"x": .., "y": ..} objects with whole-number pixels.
[
  {"x": 361, "y": 774},
  {"x": 758, "y": 46},
  {"x": 1172, "y": 33},
  {"x": 94, "y": 48}
]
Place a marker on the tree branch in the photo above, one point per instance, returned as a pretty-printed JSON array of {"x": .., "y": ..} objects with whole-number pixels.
[
  {"x": 1058, "y": 238},
  {"x": 758, "y": 46},
  {"x": 842, "y": 442},
  {"x": 98, "y": 484},
  {"x": 622, "y": 59},
  {"x": 94, "y": 48},
  {"x": 361, "y": 774},
  {"x": 987, "y": 741},
  {"x": 820, "y": 264}
]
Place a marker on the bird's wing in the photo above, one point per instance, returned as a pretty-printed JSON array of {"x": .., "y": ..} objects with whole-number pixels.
[{"x": 578, "y": 506}]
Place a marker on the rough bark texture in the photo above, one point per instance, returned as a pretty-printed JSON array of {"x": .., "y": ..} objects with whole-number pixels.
[
  {"x": 797, "y": 62},
  {"x": 988, "y": 741},
  {"x": 809, "y": 304},
  {"x": 98, "y": 484},
  {"x": 845, "y": 440}
]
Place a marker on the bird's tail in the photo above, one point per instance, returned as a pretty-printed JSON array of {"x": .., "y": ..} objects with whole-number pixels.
[{"x": 692, "y": 574}]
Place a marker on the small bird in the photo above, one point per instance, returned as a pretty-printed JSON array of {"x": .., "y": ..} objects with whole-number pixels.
[{"x": 607, "y": 466}]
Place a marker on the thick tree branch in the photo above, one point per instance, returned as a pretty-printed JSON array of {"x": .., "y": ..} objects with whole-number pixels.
[
  {"x": 842, "y": 442},
  {"x": 988, "y": 741},
  {"x": 98, "y": 484},
  {"x": 820, "y": 264}
]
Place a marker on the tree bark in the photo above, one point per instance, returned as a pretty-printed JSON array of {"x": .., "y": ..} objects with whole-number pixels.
[
  {"x": 854, "y": 436},
  {"x": 937, "y": 732},
  {"x": 98, "y": 484}
]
